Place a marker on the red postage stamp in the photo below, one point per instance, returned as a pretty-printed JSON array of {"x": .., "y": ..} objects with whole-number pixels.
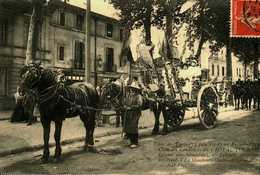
[{"x": 245, "y": 18}]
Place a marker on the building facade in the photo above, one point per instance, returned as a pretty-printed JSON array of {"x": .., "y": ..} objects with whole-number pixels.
[{"x": 61, "y": 45}]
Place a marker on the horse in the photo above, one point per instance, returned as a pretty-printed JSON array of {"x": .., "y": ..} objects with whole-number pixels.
[
  {"x": 57, "y": 101},
  {"x": 113, "y": 95}
]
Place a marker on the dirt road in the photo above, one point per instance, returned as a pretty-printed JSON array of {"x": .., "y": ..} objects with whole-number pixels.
[{"x": 232, "y": 148}]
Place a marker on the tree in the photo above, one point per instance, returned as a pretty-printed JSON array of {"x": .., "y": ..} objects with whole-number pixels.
[
  {"x": 34, "y": 29},
  {"x": 167, "y": 16},
  {"x": 135, "y": 14},
  {"x": 246, "y": 49}
]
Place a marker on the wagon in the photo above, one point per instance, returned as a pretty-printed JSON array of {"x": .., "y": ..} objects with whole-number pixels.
[{"x": 199, "y": 95}]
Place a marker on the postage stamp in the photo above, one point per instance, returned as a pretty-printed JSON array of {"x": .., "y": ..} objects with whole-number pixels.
[{"x": 245, "y": 18}]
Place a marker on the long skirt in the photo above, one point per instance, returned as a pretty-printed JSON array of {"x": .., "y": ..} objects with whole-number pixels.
[
  {"x": 131, "y": 121},
  {"x": 18, "y": 114}
]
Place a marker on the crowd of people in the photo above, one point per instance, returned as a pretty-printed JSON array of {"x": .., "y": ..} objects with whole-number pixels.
[{"x": 246, "y": 94}]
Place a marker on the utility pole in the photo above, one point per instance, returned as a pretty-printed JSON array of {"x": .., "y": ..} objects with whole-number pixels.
[{"x": 87, "y": 43}]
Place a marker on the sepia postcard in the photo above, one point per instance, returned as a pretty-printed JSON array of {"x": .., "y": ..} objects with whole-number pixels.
[{"x": 130, "y": 87}]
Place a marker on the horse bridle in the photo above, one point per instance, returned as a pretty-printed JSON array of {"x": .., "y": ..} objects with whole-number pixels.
[{"x": 114, "y": 100}]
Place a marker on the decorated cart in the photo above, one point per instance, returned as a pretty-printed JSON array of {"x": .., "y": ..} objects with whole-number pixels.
[{"x": 185, "y": 90}]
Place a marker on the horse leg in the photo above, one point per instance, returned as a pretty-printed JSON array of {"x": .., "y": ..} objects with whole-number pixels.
[
  {"x": 249, "y": 103},
  {"x": 235, "y": 101},
  {"x": 165, "y": 118},
  {"x": 89, "y": 123},
  {"x": 90, "y": 131},
  {"x": 118, "y": 117},
  {"x": 84, "y": 120},
  {"x": 57, "y": 134},
  {"x": 156, "y": 126},
  {"x": 238, "y": 103},
  {"x": 258, "y": 103},
  {"x": 46, "y": 124}
]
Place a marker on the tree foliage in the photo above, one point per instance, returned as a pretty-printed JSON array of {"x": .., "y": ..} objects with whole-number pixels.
[{"x": 208, "y": 20}]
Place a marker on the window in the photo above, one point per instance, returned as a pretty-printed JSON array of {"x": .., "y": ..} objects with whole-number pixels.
[
  {"x": 109, "y": 59},
  {"x": 218, "y": 70},
  {"x": 79, "y": 60},
  {"x": 223, "y": 71},
  {"x": 213, "y": 67},
  {"x": 110, "y": 30},
  {"x": 3, "y": 81},
  {"x": 79, "y": 22},
  {"x": 61, "y": 53},
  {"x": 3, "y": 32},
  {"x": 215, "y": 54},
  {"x": 62, "y": 18}
]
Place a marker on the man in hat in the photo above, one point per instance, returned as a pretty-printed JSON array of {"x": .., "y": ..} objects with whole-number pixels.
[{"x": 133, "y": 104}]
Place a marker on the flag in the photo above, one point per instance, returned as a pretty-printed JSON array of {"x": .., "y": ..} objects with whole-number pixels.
[
  {"x": 145, "y": 55},
  {"x": 126, "y": 52}
]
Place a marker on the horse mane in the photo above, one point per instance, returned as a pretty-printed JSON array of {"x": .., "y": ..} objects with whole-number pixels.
[{"x": 51, "y": 76}]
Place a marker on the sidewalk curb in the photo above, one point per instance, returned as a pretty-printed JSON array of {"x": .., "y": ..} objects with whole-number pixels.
[
  {"x": 5, "y": 118},
  {"x": 73, "y": 140},
  {"x": 64, "y": 142}
]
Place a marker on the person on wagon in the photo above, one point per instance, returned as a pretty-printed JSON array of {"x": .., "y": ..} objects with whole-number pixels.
[{"x": 133, "y": 107}]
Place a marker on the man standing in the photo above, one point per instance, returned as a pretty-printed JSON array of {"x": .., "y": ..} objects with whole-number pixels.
[{"x": 133, "y": 104}]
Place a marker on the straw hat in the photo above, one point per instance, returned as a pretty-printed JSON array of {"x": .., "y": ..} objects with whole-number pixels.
[
  {"x": 153, "y": 87},
  {"x": 134, "y": 85}
]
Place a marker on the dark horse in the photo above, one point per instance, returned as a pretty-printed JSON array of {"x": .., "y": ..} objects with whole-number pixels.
[
  {"x": 113, "y": 96},
  {"x": 57, "y": 102}
]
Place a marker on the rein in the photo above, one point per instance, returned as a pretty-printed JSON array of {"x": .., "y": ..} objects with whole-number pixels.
[
  {"x": 51, "y": 92},
  {"x": 48, "y": 93},
  {"x": 115, "y": 100}
]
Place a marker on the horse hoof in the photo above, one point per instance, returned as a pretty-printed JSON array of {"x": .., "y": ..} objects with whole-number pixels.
[
  {"x": 154, "y": 132},
  {"x": 44, "y": 160},
  {"x": 164, "y": 132},
  {"x": 91, "y": 149}
]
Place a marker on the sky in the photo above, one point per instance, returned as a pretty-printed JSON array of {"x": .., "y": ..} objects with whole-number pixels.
[{"x": 98, "y": 6}]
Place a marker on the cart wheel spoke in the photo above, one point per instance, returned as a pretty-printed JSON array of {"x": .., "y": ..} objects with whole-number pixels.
[
  {"x": 207, "y": 106},
  {"x": 175, "y": 118}
]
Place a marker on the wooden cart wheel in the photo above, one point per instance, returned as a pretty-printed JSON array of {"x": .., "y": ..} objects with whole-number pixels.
[
  {"x": 207, "y": 106},
  {"x": 175, "y": 116}
]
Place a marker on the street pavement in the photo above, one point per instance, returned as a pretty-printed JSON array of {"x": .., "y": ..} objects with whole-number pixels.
[
  {"x": 232, "y": 148},
  {"x": 18, "y": 137}
]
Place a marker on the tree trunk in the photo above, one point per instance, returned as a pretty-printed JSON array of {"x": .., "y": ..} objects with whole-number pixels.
[
  {"x": 34, "y": 30},
  {"x": 256, "y": 61},
  {"x": 229, "y": 61},
  {"x": 198, "y": 53},
  {"x": 245, "y": 71},
  {"x": 147, "y": 29},
  {"x": 29, "y": 50},
  {"x": 169, "y": 26}
]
